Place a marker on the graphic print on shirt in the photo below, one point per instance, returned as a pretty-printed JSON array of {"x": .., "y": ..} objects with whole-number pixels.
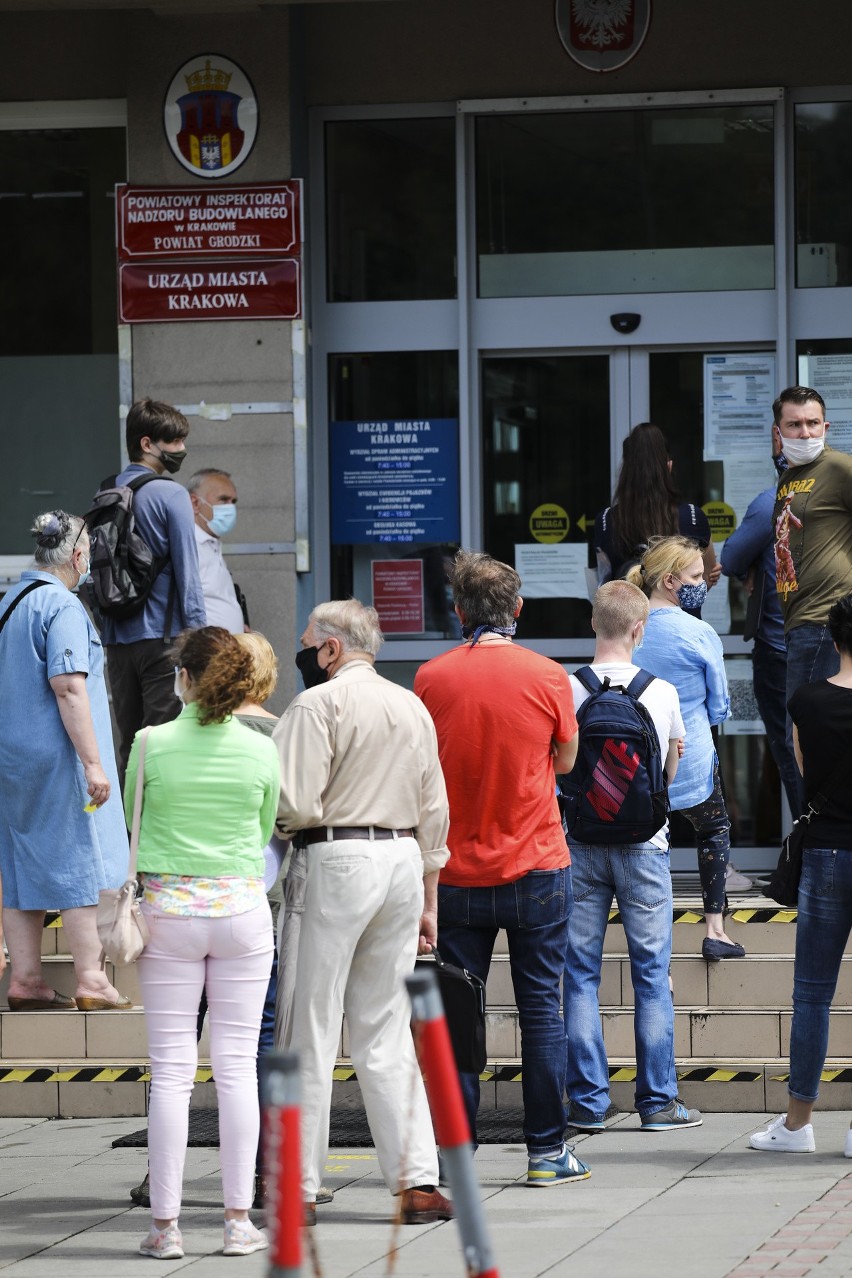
[{"x": 786, "y": 524}]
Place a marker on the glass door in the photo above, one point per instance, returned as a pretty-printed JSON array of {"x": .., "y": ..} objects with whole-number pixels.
[{"x": 546, "y": 469}]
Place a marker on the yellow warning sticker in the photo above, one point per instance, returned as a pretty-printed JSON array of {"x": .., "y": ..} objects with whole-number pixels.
[
  {"x": 549, "y": 523},
  {"x": 722, "y": 519}
]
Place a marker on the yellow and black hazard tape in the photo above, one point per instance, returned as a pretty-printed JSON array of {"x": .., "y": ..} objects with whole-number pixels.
[
  {"x": 617, "y": 1074},
  {"x": 827, "y": 1076},
  {"x": 88, "y": 1074},
  {"x": 774, "y": 915}
]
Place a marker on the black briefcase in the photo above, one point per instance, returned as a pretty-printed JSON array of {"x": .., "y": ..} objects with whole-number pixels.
[{"x": 463, "y": 996}]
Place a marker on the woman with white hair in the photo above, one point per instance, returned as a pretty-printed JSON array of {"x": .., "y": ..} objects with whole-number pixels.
[{"x": 62, "y": 831}]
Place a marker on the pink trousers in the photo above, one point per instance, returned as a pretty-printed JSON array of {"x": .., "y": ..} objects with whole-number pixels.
[{"x": 231, "y": 957}]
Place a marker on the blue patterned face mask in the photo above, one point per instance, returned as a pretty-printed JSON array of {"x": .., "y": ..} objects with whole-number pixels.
[
  {"x": 779, "y": 461},
  {"x": 692, "y": 596}
]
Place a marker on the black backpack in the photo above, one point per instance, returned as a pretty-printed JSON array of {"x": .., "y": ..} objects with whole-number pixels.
[
  {"x": 123, "y": 566},
  {"x": 616, "y": 792}
]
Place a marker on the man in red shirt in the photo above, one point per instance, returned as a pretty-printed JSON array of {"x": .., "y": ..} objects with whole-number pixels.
[{"x": 505, "y": 723}]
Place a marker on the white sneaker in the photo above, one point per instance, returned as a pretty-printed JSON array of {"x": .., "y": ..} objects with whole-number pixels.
[
  {"x": 163, "y": 1244},
  {"x": 736, "y": 881},
  {"x": 847, "y": 1144},
  {"x": 777, "y": 1138},
  {"x": 241, "y": 1238}
]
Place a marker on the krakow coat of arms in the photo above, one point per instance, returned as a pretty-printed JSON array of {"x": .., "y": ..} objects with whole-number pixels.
[{"x": 210, "y": 116}]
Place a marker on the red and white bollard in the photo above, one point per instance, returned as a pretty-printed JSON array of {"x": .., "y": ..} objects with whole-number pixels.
[
  {"x": 435, "y": 1053},
  {"x": 279, "y": 1081}
]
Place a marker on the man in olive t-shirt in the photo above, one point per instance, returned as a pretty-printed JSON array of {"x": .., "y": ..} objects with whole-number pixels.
[{"x": 813, "y": 534}]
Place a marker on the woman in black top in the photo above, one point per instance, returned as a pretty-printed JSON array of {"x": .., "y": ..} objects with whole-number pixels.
[
  {"x": 646, "y": 504},
  {"x": 822, "y": 737}
]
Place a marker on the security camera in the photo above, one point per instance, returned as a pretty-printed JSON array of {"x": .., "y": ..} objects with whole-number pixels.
[{"x": 625, "y": 321}]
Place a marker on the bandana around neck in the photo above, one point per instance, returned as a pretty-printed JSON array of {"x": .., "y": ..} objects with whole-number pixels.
[{"x": 474, "y": 635}]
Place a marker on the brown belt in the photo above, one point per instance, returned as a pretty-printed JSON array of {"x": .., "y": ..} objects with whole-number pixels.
[{"x": 329, "y": 834}]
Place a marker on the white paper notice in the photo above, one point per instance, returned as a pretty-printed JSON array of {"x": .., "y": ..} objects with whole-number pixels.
[
  {"x": 716, "y": 610},
  {"x": 738, "y": 394},
  {"x": 831, "y": 375},
  {"x": 744, "y": 481},
  {"x": 552, "y": 571}
]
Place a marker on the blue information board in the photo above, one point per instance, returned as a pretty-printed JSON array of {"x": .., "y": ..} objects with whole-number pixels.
[{"x": 395, "y": 481}]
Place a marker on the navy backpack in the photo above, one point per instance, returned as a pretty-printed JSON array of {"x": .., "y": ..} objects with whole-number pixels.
[{"x": 616, "y": 792}]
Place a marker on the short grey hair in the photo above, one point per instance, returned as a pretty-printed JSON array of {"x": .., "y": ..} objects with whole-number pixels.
[
  {"x": 353, "y": 623},
  {"x": 195, "y": 481},
  {"x": 56, "y": 534},
  {"x": 486, "y": 590}
]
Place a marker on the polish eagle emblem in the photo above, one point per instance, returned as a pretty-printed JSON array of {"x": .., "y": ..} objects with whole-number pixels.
[{"x": 602, "y": 35}]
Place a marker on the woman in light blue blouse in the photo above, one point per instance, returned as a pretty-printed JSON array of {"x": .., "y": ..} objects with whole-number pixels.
[{"x": 688, "y": 653}]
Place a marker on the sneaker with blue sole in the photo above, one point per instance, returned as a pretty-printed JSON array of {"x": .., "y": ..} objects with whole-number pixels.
[
  {"x": 674, "y": 1115},
  {"x": 557, "y": 1169},
  {"x": 582, "y": 1120}
]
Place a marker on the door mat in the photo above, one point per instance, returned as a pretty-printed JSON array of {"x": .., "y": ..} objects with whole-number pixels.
[{"x": 348, "y": 1128}]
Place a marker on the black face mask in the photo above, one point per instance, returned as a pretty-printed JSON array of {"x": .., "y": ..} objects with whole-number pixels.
[
  {"x": 307, "y": 662},
  {"x": 172, "y": 461}
]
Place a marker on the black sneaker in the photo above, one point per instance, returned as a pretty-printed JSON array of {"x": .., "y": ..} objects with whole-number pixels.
[
  {"x": 583, "y": 1121},
  {"x": 141, "y": 1195}
]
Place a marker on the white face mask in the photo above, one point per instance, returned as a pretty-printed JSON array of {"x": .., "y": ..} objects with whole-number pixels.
[
  {"x": 178, "y": 684},
  {"x": 801, "y": 451}
]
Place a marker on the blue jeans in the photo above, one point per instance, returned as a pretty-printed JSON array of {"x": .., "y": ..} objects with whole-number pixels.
[
  {"x": 639, "y": 877},
  {"x": 770, "y": 691},
  {"x": 534, "y": 911},
  {"x": 811, "y": 656},
  {"x": 822, "y": 930}
]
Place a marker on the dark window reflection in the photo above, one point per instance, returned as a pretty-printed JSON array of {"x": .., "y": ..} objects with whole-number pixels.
[
  {"x": 403, "y": 385},
  {"x": 823, "y": 139},
  {"x": 57, "y": 222},
  {"x": 391, "y": 210},
  {"x": 625, "y": 201},
  {"x": 545, "y": 440}
]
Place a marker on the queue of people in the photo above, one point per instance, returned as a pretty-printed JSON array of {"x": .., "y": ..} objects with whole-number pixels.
[{"x": 385, "y": 823}]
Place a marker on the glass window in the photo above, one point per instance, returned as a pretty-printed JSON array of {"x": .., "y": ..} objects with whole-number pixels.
[
  {"x": 391, "y": 210},
  {"x": 58, "y": 327},
  {"x": 394, "y": 481},
  {"x": 827, "y": 367},
  {"x": 625, "y": 201},
  {"x": 546, "y": 473},
  {"x": 823, "y": 142},
  {"x": 58, "y": 210}
]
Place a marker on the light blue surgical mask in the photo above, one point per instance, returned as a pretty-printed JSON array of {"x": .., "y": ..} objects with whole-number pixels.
[
  {"x": 87, "y": 575},
  {"x": 222, "y": 520}
]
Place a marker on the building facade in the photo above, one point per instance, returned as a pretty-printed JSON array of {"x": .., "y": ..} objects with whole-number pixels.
[{"x": 526, "y": 228}]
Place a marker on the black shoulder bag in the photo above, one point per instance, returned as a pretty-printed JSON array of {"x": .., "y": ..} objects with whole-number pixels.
[{"x": 784, "y": 883}]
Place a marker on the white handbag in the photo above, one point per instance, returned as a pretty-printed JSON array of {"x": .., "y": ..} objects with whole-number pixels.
[{"x": 122, "y": 929}]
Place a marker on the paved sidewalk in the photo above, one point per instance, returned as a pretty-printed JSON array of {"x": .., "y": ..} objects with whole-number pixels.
[{"x": 694, "y": 1203}]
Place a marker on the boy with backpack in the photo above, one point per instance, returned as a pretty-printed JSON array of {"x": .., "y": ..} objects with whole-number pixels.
[
  {"x": 615, "y": 807},
  {"x": 145, "y": 584}
]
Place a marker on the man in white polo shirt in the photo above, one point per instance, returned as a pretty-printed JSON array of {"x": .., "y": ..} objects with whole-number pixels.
[{"x": 214, "y": 503}]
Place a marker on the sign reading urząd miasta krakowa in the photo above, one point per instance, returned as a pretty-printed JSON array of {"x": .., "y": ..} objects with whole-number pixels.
[
  {"x": 395, "y": 481},
  {"x": 167, "y": 238}
]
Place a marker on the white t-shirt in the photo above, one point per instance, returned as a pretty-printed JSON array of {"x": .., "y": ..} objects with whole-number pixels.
[
  {"x": 661, "y": 701},
  {"x": 217, "y": 584}
]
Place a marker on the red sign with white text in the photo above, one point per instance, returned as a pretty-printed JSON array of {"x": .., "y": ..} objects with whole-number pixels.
[
  {"x": 398, "y": 595},
  {"x": 156, "y": 294},
  {"x": 190, "y": 221}
]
